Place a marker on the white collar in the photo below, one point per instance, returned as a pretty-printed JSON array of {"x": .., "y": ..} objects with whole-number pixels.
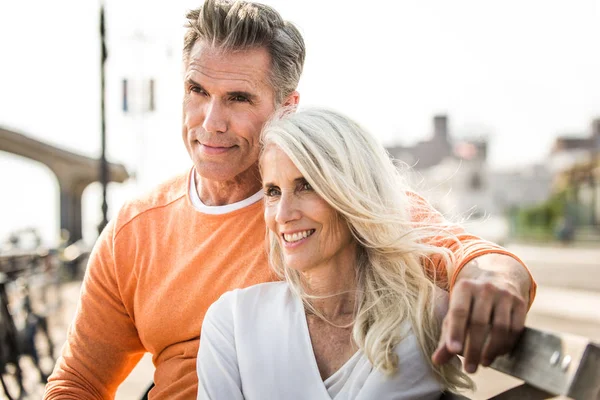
[{"x": 216, "y": 210}]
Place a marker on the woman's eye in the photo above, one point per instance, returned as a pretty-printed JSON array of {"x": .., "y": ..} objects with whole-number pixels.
[
  {"x": 306, "y": 186},
  {"x": 272, "y": 191}
]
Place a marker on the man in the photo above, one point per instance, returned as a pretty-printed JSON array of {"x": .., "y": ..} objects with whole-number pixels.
[{"x": 166, "y": 257}]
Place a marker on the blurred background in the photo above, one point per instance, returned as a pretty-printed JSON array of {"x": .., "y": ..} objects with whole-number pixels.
[{"x": 495, "y": 105}]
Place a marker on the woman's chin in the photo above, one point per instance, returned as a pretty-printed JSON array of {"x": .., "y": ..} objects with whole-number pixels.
[{"x": 296, "y": 265}]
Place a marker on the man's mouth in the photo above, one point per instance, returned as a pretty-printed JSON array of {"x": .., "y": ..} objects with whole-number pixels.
[{"x": 211, "y": 149}]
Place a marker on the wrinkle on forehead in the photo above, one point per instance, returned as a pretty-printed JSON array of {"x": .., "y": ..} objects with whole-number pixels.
[
  {"x": 231, "y": 65},
  {"x": 219, "y": 74}
]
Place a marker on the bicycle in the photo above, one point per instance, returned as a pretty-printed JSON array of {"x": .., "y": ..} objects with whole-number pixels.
[
  {"x": 9, "y": 347},
  {"x": 23, "y": 332}
]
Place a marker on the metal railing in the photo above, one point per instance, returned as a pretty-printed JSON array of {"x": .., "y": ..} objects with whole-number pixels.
[{"x": 29, "y": 295}]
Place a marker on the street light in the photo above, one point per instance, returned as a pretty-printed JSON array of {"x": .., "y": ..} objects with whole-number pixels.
[{"x": 103, "y": 163}]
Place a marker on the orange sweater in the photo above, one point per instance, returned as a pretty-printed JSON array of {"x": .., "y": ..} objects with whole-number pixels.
[{"x": 152, "y": 275}]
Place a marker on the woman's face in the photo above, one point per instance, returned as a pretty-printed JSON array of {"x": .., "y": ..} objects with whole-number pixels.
[{"x": 312, "y": 235}]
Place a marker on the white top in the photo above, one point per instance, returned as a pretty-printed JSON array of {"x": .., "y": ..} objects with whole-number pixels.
[
  {"x": 255, "y": 345},
  {"x": 218, "y": 210}
]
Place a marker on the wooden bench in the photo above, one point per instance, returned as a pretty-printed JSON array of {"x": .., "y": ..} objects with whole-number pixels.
[{"x": 550, "y": 364}]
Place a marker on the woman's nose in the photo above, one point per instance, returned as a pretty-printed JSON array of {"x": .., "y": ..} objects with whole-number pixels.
[{"x": 287, "y": 209}]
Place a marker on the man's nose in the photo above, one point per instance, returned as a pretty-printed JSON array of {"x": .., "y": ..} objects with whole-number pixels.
[{"x": 215, "y": 118}]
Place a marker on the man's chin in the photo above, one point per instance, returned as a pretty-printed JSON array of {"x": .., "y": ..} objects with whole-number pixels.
[
  {"x": 214, "y": 174},
  {"x": 216, "y": 171}
]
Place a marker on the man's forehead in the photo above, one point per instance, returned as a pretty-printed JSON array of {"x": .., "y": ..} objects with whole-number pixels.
[{"x": 251, "y": 66}]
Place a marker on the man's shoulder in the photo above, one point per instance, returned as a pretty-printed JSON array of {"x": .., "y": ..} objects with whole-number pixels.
[{"x": 168, "y": 193}]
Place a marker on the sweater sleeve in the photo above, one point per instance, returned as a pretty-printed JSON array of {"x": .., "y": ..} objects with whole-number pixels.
[
  {"x": 217, "y": 363},
  {"x": 102, "y": 343},
  {"x": 463, "y": 245}
]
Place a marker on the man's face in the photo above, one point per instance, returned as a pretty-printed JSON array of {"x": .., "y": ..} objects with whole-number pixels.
[{"x": 227, "y": 100}]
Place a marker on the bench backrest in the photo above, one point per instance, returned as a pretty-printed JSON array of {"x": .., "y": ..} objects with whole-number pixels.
[{"x": 550, "y": 364}]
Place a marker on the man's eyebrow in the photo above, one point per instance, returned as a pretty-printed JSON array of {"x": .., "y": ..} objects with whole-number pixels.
[
  {"x": 192, "y": 82},
  {"x": 242, "y": 93},
  {"x": 248, "y": 95}
]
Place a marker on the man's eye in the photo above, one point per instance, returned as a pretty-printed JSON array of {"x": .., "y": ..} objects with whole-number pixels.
[
  {"x": 196, "y": 89},
  {"x": 272, "y": 191},
  {"x": 240, "y": 99}
]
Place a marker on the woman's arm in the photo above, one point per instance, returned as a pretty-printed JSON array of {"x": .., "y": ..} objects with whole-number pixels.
[{"x": 217, "y": 363}]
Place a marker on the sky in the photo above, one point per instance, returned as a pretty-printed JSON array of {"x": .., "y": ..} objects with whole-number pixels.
[{"x": 517, "y": 72}]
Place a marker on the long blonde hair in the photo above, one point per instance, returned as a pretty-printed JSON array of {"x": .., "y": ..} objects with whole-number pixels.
[{"x": 354, "y": 174}]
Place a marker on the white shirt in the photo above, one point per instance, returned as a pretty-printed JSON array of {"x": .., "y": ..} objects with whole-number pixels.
[
  {"x": 219, "y": 210},
  {"x": 255, "y": 345}
]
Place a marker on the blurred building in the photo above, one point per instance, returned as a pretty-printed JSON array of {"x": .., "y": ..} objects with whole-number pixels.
[
  {"x": 457, "y": 175},
  {"x": 521, "y": 188},
  {"x": 430, "y": 152},
  {"x": 575, "y": 164},
  {"x": 453, "y": 171},
  {"x": 457, "y": 180},
  {"x": 144, "y": 105},
  {"x": 571, "y": 150}
]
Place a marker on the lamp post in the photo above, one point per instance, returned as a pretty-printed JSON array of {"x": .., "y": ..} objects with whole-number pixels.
[
  {"x": 103, "y": 163},
  {"x": 594, "y": 173}
]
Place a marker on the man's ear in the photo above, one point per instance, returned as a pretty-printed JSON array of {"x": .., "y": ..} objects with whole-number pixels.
[{"x": 292, "y": 100}]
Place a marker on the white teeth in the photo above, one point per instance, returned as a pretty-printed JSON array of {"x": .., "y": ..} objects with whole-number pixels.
[{"x": 294, "y": 237}]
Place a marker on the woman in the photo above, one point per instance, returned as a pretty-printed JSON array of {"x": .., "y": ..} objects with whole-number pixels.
[{"x": 355, "y": 317}]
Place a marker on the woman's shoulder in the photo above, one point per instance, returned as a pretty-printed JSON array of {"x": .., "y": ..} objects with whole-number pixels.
[
  {"x": 250, "y": 299},
  {"x": 261, "y": 292},
  {"x": 241, "y": 309},
  {"x": 264, "y": 289}
]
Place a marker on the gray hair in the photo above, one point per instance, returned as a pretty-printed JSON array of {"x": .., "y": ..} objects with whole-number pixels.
[{"x": 243, "y": 25}]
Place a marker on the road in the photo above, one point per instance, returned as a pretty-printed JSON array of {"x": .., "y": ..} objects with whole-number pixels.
[
  {"x": 562, "y": 267},
  {"x": 568, "y": 300}
]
